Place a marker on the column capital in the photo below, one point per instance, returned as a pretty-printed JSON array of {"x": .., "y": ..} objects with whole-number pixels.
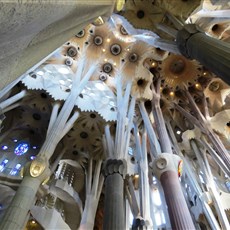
[
  {"x": 183, "y": 36},
  {"x": 165, "y": 162},
  {"x": 112, "y": 166}
]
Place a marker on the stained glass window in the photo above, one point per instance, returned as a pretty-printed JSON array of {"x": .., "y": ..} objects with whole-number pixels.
[
  {"x": 3, "y": 164},
  {"x": 4, "y": 147},
  {"x": 15, "y": 170},
  {"x": 21, "y": 149}
]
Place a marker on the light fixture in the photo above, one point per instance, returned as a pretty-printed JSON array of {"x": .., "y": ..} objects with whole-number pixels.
[
  {"x": 178, "y": 132},
  {"x": 4, "y": 147},
  {"x": 198, "y": 86},
  {"x": 136, "y": 176},
  {"x": 32, "y": 157},
  {"x": 33, "y": 222},
  {"x": 154, "y": 64},
  {"x": 172, "y": 94}
]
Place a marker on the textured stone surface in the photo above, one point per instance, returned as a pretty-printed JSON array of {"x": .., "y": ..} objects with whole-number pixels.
[{"x": 30, "y": 30}]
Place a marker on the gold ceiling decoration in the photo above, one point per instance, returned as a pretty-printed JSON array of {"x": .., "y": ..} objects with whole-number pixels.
[
  {"x": 122, "y": 34},
  {"x": 115, "y": 49},
  {"x": 177, "y": 70},
  {"x": 141, "y": 84},
  {"x": 61, "y": 59},
  {"x": 96, "y": 44},
  {"x": 108, "y": 67},
  {"x": 82, "y": 36},
  {"x": 107, "y": 73},
  {"x": 133, "y": 58}
]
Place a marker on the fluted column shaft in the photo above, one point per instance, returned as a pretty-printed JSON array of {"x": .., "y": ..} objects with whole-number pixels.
[
  {"x": 114, "y": 215},
  {"x": 165, "y": 167},
  {"x": 178, "y": 210},
  {"x": 114, "y": 210},
  {"x": 210, "y": 52}
]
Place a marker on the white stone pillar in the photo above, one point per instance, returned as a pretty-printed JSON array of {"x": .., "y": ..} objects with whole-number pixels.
[{"x": 35, "y": 173}]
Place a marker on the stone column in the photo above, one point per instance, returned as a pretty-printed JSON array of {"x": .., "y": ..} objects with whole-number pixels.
[
  {"x": 214, "y": 54},
  {"x": 18, "y": 52},
  {"x": 35, "y": 173},
  {"x": 166, "y": 169},
  {"x": 114, "y": 210}
]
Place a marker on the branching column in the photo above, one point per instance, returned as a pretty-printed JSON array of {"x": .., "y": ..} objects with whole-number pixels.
[
  {"x": 210, "y": 52},
  {"x": 35, "y": 173},
  {"x": 114, "y": 210},
  {"x": 165, "y": 167}
]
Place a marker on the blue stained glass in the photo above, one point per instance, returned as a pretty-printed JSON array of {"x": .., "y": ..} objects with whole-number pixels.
[
  {"x": 15, "y": 170},
  {"x": 4, "y": 147},
  {"x": 3, "y": 165},
  {"x": 21, "y": 149},
  {"x": 32, "y": 157}
]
